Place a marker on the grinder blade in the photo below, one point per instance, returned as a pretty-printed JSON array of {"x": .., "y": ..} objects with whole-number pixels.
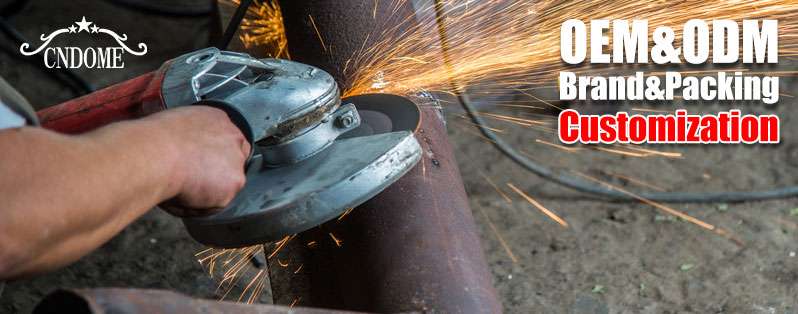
[
  {"x": 279, "y": 201},
  {"x": 383, "y": 113}
]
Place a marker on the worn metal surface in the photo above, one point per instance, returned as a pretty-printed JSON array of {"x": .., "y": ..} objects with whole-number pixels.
[
  {"x": 383, "y": 113},
  {"x": 313, "y": 141},
  {"x": 417, "y": 242},
  {"x": 137, "y": 301},
  {"x": 299, "y": 176},
  {"x": 380, "y": 113},
  {"x": 414, "y": 247},
  {"x": 278, "y": 98}
]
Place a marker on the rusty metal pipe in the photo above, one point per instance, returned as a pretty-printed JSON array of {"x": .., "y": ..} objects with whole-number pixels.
[
  {"x": 415, "y": 246},
  {"x": 327, "y": 34},
  {"x": 136, "y": 301}
]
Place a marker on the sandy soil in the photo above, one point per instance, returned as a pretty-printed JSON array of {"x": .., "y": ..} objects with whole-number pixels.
[{"x": 613, "y": 257}]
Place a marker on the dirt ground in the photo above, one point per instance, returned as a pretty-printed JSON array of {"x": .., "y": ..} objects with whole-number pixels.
[{"x": 613, "y": 257}]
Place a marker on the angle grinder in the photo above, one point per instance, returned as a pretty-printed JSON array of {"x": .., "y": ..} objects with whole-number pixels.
[{"x": 314, "y": 154}]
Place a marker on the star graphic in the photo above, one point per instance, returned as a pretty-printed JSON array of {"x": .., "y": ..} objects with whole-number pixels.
[
  {"x": 94, "y": 28},
  {"x": 72, "y": 29},
  {"x": 83, "y": 25}
]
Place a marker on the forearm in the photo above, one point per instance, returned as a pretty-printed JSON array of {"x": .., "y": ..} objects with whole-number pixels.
[{"x": 63, "y": 196}]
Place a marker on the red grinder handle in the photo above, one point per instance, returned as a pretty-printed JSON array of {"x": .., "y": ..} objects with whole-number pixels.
[{"x": 131, "y": 99}]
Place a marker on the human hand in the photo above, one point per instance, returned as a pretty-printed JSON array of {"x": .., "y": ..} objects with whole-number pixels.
[{"x": 210, "y": 155}]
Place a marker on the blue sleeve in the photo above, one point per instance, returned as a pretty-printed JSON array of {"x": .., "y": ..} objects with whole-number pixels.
[{"x": 10, "y": 119}]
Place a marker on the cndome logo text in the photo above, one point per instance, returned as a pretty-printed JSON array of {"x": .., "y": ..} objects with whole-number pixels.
[{"x": 76, "y": 57}]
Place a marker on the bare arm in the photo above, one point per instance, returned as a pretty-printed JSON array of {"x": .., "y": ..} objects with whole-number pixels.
[{"x": 63, "y": 196}]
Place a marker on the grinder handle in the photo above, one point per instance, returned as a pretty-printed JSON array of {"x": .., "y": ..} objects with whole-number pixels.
[
  {"x": 130, "y": 99},
  {"x": 241, "y": 122},
  {"x": 235, "y": 115}
]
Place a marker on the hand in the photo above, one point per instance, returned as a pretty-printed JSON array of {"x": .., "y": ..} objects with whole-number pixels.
[{"x": 210, "y": 156}]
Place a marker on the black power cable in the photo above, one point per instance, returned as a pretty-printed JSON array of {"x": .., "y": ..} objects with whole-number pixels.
[{"x": 582, "y": 185}]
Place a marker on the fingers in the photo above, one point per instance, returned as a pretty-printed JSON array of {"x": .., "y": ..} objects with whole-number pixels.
[
  {"x": 187, "y": 212},
  {"x": 243, "y": 143},
  {"x": 245, "y": 148},
  {"x": 175, "y": 208},
  {"x": 215, "y": 153}
]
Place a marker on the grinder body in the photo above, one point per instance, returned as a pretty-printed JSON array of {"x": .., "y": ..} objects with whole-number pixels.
[{"x": 302, "y": 171}]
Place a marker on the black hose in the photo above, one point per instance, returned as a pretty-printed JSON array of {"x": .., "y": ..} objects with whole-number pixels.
[{"x": 582, "y": 185}]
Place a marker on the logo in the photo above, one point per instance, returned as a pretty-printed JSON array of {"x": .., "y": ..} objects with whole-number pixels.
[{"x": 75, "y": 57}]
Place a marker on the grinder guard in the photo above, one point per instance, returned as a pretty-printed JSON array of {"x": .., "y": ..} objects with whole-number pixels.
[{"x": 313, "y": 158}]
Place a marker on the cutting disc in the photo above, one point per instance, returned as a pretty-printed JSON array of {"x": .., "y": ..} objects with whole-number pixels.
[
  {"x": 383, "y": 113},
  {"x": 279, "y": 201}
]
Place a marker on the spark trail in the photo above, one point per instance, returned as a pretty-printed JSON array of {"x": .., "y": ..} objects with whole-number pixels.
[{"x": 496, "y": 47}]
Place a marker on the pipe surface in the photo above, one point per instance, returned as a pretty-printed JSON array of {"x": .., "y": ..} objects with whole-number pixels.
[
  {"x": 327, "y": 33},
  {"x": 414, "y": 247}
]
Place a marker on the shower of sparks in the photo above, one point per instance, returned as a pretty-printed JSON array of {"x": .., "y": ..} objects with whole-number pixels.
[
  {"x": 558, "y": 146},
  {"x": 467, "y": 121},
  {"x": 294, "y": 303},
  {"x": 634, "y": 181},
  {"x": 620, "y": 152},
  {"x": 262, "y": 27},
  {"x": 234, "y": 264},
  {"x": 335, "y": 239},
  {"x": 497, "y": 48},
  {"x": 229, "y": 266},
  {"x": 499, "y": 237},
  {"x": 503, "y": 49},
  {"x": 698, "y": 222},
  {"x": 492, "y": 226},
  {"x": 651, "y": 152},
  {"x": 348, "y": 210},
  {"x": 511, "y": 44},
  {"x": 539, "y": 206},
  {"x": 313, "y": 22},
  {"x": 496, "y": 187},
  {"x": 279, "y": 245}
]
